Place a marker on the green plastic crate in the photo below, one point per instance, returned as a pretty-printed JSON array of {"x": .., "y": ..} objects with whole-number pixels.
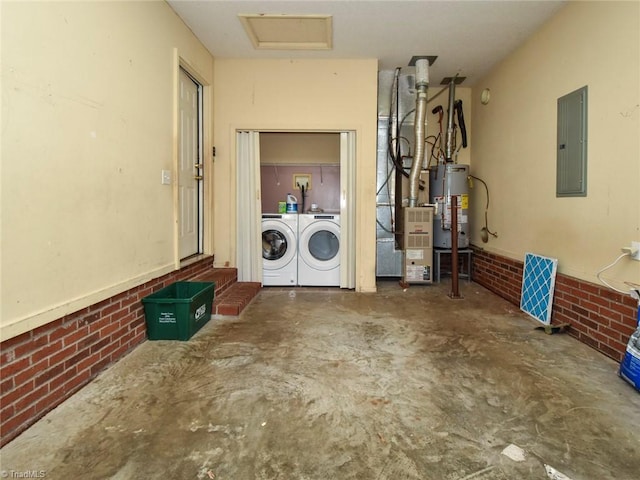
[{"x": 178, "y": 311}]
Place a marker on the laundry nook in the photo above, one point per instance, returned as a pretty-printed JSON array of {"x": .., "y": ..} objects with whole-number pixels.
[{"x": 301, "y": 241}]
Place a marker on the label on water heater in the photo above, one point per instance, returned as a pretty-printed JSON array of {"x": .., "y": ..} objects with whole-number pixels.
[{"x": 463, "y": 204}]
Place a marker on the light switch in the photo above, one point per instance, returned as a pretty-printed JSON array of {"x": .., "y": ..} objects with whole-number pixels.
[{"x": 166, "y": 177}]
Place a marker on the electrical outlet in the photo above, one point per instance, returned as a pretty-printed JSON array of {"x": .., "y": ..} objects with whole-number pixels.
[{"x": 635, "y": 250}]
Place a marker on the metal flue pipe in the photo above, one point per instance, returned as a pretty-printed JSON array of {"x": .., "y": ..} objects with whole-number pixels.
[
  {"x": 449, "y": 136},
  {"x": 422, "y": 85}
]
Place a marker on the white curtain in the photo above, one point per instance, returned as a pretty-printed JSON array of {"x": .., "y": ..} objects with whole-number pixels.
[
  {"x": 347, "y": 209},
  {"x": 248, "y": 207}
]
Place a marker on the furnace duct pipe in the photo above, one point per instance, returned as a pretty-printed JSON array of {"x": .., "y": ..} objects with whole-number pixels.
[
  {"x": 422, "y": 85},
  {"x": 449, "y": 136}
]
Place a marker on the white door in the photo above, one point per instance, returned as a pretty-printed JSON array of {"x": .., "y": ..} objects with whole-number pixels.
[{"x": 189, "y": 167}]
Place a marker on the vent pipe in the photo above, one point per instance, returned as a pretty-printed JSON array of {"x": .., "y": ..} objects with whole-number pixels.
[
  {"x": 449, "y": 137},
  {"x": 422, "y": 85}
]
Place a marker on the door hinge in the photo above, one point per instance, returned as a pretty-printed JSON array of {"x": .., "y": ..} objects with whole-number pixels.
[{"x": 213, "y": 151}]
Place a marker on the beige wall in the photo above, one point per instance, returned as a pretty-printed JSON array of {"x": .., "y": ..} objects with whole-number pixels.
[
  {"x": 88, "y": 124},
  {"x": 514, "y": 145},
  {"x": 296, "y": 95},
  {"x": 299, "y": 148}
]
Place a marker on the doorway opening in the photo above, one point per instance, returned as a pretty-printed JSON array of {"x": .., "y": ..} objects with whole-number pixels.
[{"x": 250, "y": 208}]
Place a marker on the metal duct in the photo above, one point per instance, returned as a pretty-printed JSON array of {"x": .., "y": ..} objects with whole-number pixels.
[
  {"x": 422, "y": 85},
  {"x": 449, "y": 137}
]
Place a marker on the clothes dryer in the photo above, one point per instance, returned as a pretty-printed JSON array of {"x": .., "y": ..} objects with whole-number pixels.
[
  {"x": 319, "y": 250},
  {"x": 280, "y": 249}
]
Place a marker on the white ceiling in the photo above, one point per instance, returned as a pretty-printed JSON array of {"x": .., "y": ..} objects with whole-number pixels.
[{"x": 469, "y": 37}]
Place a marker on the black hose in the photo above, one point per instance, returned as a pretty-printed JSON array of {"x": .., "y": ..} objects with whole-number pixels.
[
  {"x": 463, "y": 128},
  {"x": 393, "y": 130}
]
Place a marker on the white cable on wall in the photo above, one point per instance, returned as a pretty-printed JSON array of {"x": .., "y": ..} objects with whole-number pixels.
[{"x": 607, "y": 268}]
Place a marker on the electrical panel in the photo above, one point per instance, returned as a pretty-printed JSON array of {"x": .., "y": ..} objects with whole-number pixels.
[
  {"x": 571, "y": 170},
  {"x": 417, "y": 244}
]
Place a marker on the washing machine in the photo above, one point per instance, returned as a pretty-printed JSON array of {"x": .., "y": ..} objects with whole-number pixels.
[
  {"x": 319, "y": 250},
  {"x": 280, "y": 249}
]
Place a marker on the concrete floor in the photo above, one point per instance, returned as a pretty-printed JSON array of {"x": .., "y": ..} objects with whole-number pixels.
[{"x": 329, "y": 384}]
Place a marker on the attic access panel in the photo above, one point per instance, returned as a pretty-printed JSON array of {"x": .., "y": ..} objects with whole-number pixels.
[
  {"x": 571, "y": 168},
  {"x": 538, "y": 283},
  {"x": 289, "y": 32}
]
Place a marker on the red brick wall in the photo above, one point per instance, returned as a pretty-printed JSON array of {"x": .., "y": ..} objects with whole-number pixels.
[
  {"x": 599, "y": 317},
  {"x": 501, "y": 275},
  {"x": 41, "y": 368}
]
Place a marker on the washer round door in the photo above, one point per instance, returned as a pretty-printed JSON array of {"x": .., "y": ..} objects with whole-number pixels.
[
  {"x": 278, "y": 244},
  {"x": 320, "y": 245}
]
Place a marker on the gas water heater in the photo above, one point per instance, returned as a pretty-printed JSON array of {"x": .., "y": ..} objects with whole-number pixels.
[{"x": 445, "y": 181}]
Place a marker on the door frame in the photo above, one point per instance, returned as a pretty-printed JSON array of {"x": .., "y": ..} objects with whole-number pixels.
[{"x": 205, "y": 186}]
